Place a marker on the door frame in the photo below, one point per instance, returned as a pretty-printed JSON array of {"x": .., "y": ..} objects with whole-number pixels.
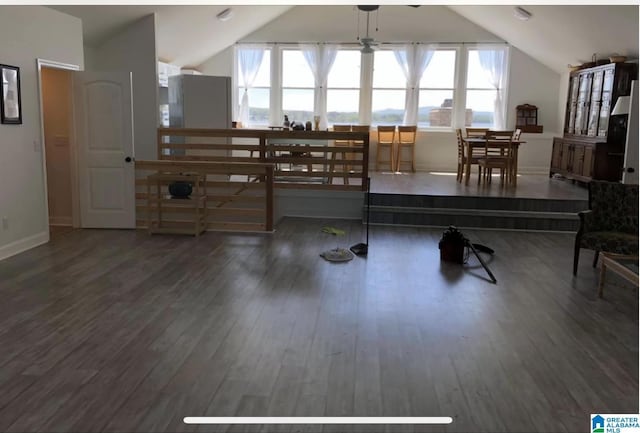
[{"x": 73, "y": 154}]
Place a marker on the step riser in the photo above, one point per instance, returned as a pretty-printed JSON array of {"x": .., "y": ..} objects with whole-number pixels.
[
  {"x": 496, "y": 203},
  {"x": 474, "y": 221},
  {"x": 506, "y": 213}
]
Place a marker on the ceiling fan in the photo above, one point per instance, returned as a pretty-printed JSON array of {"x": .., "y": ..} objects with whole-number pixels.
[{"x": 367, "y": 42}]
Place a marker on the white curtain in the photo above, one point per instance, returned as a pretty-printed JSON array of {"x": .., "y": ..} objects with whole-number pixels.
[
  {"x": 320, "y": 59},
  {"x": 493, "y": 65},
  {"x": 413, "y": 59},
  {"x": 249, "y": 61}
]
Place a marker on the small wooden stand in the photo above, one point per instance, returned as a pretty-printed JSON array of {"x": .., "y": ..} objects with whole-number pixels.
[
  {"x": 195, "y": 203},
  {"x": 527, "y": 118}
]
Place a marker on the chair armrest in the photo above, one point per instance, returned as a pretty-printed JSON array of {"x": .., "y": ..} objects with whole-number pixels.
[{"x": 587, "y": 221}]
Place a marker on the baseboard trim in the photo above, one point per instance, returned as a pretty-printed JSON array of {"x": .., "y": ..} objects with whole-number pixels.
[
  {"x": 60, "y": 221},
  {"x": 22, "y": 245}
]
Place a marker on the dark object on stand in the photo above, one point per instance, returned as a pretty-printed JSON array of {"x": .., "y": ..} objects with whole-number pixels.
[
  {"x": 452, "y": 247},
  {"x": 362, "y": 249},
  {"x": 180, "y": 189},
  {"x": 297, "y": 126}
]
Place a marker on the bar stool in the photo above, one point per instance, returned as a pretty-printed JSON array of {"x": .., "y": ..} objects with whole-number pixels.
[
  {"x": 332, "y": 163},
  {"x": 357, "y": 143},
  {"x": 386, "y": 140},
  {"x": 406, "y": 139}
]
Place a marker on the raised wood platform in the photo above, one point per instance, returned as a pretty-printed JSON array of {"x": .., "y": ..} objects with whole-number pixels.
[{"x": 538, "y": 203}]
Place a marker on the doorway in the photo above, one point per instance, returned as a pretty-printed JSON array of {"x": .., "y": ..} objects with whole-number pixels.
[{"x": 58, "y": 144}]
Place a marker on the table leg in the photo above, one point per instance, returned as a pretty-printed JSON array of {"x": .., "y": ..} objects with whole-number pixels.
[
  {"x": 467, "y": 164},
  {"x": 514, "y": 169},
  {"x": 603, "y": 270}
]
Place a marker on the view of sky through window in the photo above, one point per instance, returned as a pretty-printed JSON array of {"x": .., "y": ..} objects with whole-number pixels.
[{"x": 437, "y": 88}]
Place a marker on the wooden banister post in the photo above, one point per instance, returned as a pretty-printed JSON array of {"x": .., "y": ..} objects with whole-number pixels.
[
  {"x": 263, "y": 147},
  {"x": 365, "y": 162},
  {"x": 269, "y": 197}
]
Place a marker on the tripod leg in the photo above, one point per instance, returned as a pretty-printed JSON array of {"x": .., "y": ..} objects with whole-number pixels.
[{"x": 484, "y": 265}]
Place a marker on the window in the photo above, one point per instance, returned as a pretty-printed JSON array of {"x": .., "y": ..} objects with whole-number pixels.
[
  {"x": 297, "y": 86},
  {"x": 388, "y": 93},
  {"x": 373, "y": 89},
  {"x": 343, "y": 88},
  {"x": 436, "y": 99},
  {"x": 486, "y": 70},
  {"x": 258, "y": 89}
]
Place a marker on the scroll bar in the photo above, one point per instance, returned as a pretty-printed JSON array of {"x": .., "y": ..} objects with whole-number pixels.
[{"x": 319, "y": 420}]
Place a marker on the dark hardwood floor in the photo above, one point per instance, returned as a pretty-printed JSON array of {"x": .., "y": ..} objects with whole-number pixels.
[{"x": 108, "y": 330}]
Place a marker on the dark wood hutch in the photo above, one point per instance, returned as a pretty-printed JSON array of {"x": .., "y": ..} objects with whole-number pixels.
[{"x": 593, "y": 142}]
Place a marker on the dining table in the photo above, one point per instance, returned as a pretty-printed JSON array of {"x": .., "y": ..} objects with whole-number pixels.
[{"x": 471, "y": 143}]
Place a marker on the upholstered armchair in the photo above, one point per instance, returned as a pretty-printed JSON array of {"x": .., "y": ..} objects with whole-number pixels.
[{"x": 611, "y": 223}]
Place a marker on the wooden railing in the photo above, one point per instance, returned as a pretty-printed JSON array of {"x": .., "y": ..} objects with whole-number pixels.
[
  {"x": 239, "y": 196},
  {"x": 327, "y": 160}
]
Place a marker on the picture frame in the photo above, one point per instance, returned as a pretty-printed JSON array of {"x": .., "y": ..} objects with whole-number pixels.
[{"x": 10, "y": 103}]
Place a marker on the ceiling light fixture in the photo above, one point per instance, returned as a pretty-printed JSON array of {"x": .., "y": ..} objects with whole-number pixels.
[
  {"x": 521, "y": 14},
  {"x": 225, "y": 15}
]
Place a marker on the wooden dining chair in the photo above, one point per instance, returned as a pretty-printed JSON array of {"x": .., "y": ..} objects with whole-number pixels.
[
  {"x": 476, "y": 132},
  {"x": 516, "y": 134},
  {"x": 386, "y": 140},
  {"x": 498, "y": 153},
  {"x": 406, "y": 140},
  {"x": 476, "y": 153},
  {"x": 343, "y": 154}
]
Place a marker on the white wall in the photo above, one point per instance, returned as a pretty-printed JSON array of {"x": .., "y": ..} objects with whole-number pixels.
[
  {"x": 27, "y": 33},
  {"x": 134, "y": 49},
  {"x": 395, "y": 23},
  {"x": 530, "y": 81},
  {"x": 220, "y": 65},
  {"x": 57, "y": 110},
  {"x": 562, "y": 100},
  {"x": 89, "y": 58}
]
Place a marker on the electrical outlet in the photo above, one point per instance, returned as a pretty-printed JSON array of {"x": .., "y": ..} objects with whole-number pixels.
[{"x": 5, "y": 223}]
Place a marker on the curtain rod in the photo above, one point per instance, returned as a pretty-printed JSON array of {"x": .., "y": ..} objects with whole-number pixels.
[{"x": 379, "y": 43}]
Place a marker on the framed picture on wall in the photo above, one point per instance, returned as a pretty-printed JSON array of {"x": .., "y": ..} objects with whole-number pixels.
[{"x": 10, "y": 109}]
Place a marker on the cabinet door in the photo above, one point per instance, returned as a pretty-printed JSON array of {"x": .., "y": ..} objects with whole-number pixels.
[
  {"x": 594, "y": 109},
  {"x": 566, "y": 157},
  {"x": 587, "y": 162},
  {"x": 578, "y": 159},
  {"x": 556, "y": 154},
  {"x": 572, "y": 104},
  {"x": 605, "y": 105},
  {"x": 582, "y": 108}
]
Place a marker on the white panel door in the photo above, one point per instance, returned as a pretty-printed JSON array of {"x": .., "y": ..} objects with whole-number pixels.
[{"x": 103, "y": 113}]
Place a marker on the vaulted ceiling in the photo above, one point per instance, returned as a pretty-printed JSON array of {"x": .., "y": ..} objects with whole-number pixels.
[
  {"x": 555, "y": 35},
  {"x": 185, "y": 35}
]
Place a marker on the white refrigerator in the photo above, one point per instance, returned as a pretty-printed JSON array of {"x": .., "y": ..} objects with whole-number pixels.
[{"x": 199, "y": 101}]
